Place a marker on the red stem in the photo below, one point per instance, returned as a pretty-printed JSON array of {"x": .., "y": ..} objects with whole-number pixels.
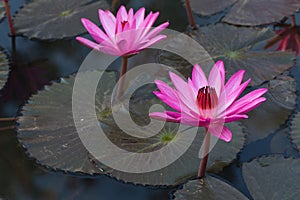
[
  {"x": 8, "y": 119},
  {"x": 122, "y": 73},
  {"x": 293, "y": 21},
  {"x": 10, "y": 22},
  {"x": 205, "y": 153},
  {"x": 190, "y": 14}
]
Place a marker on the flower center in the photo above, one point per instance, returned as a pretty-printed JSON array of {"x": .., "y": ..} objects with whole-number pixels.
[
  {"x": 207, "y": 98},
  {"x": 124, "y": 24}
]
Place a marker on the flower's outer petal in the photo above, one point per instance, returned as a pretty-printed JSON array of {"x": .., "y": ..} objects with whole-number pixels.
[
  {"x": 139, "y": 17},
  {"x": 96, "y": 33},
  {"x": 220, "y": 66},
  {"x": 234, "y": 82},
  {"x": 153, "y": 41},
  {"x": 88, "y": 43},
  {"x": 246, "y": 99},
  {"x": 233, "y": 118},
  {"x": 108, "y": 22},
  {"x": 156, "y": 30},
  {"x": 214, "y": 79},
  {"x": 198, "y": 77},
  {"x": 173, "y": 103},
  {"x": 252, "y": 105},
  {"x": 220, "y": 131},
  {"x": 185, "y": 94},
  {"x": 164, "y": 117}
]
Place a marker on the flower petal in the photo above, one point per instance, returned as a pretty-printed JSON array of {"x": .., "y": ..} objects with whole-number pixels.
[
  {"x": 108, "y": 22},
  {"x": 198, "y": 77}
]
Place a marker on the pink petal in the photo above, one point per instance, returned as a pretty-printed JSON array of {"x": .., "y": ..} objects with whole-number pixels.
[
  {"x": 220, "y": 66},
  {"x": 214, "y": 79},
  {"x": 94, "y": 30},
  {"x": 233, "y": 118},
  {"x": 198, "y": 77},
  {"x": 252, "y": 105},
  {"x": 234, "y": 82},
  {"x": 108, "y": 22},
  {"x": 87, "y": 43},
  {"x": 156, "y": 30},
  {"x": 221, "y": 132},
  {"x": 139, "y": 17},
  {"x": 122, "y": 14},
  {"x": 153, "y": 41},
  {"x": 163, "y": 117}
]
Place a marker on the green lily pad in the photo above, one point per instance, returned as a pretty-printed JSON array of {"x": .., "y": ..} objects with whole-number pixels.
[
  {"x": 295, "y": 130},
  {"x": 47, "y": 129},
  {"x": 4, "y": 69},
  {"x": 2, "y": 10},
  {"x": 269, "y": 116},
  {"x": 273, "y": 177},
  {"x": 239, "y": 48},
  {"x": 248, "y": 12},
  {"x": 51, "y": 19},
  {"x": 209, "y": 188}
]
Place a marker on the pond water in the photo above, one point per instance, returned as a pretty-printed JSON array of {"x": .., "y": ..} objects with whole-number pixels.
[{"x": 36, "y": 63}]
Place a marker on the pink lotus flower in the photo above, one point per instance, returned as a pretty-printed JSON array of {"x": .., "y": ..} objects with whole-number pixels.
[
  {"x": 288, "y": 38},
  {"x": 208, "y": 102},
  {"x": 125, "y": 34}
]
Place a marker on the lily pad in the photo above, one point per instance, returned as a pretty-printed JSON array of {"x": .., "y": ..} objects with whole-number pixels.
[
  {"x": 239, "y": 48},
  {"x": 47, "y": 129},
  {"x": 4, "y": 69},
  {"x": 51, "y": 19},
  {"x": 48, "y": 133},
  {"x": 295, "y": 130},
  {"x": 273, "y": 177},
  {"x": 2, "y": 10},
  {"x": 281, "y": 100},
  {"x": 248, "y": 12},
  {"x": 209, "y": 188}
]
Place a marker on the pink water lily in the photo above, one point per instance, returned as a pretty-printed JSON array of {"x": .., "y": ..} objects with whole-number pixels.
[
  {"x": 125, "y": 34},
  {"x": 208, "y": 102}
]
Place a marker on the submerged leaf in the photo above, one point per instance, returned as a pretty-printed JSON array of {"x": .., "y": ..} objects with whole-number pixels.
[
  {"x": 237, "y": 47},
  {"x": 295, "y": 130},
  {"x": 209, "y": 188},
  {"x": 273, "y": 177},
  {"x": 248, "y": 12},
  {"x": 281, "y": 100},
  {"x": 51, "y": 19},
  {"x": 4, "y": 69}
]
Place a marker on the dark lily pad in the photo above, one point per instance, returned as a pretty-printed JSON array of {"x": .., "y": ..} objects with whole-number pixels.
[
  {"x": 208, "y": 7},
  {"x": 48, "y": 132},
  {"x": 238, "y": 48},
  {"x": 273, "y": 178},
  {"x": 2, "y": 10},
  {"x": 295, "y": 132},
  {"x": 281, "y": 100},
  {"x": 4, "y": 69},
  {"x": 248, "y": 12},
  {"x": 209, "y": 188},
  {"x": 51, "y": 19},
  {"x": 47, "y": 129}
]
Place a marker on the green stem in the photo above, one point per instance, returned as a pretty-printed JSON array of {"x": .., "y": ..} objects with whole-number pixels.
[
  {"x": 122, "y": 73},
  {"x": 190, "y": 14},
  {"x": 205, "y": 153}
]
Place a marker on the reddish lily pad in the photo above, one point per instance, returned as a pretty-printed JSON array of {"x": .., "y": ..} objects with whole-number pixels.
[
  {"x": 281, "y": 100},
  {"x": 209, "y": 188},
  {"x": 50, "y": 19},
  {"x": 238, "y": 48},
  {"x": 248, "y": 12},
  {"x": 4, "y": 69},
  {"x": 273, "y": 177},
  {"x": 295, "y": 130}
]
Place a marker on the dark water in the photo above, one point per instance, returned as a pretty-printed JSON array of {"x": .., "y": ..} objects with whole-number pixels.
[{"x": 36, "y": 64}]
